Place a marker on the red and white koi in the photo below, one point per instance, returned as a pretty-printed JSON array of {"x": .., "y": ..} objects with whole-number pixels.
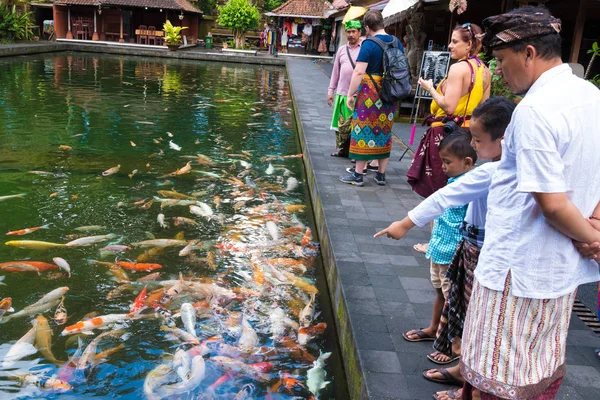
[
  {"x": 102, "y": 322},
  {"x": 27, "y": 230}
]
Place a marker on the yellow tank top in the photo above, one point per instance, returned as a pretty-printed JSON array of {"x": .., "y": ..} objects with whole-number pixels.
[{"x": 463, "y": 109}]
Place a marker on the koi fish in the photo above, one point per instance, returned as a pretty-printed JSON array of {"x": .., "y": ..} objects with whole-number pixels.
[
  {"x": 88, "y": 355},
  {"x": 317, "y": 374},
  {"x": 182, "y": 335},
  {"x": 174, "y": 146},
  {"x": 155, "y": 378},
  {"x": 181, "y": 171},
  {"x": 65, "y": 147},
  {"x": 22, "y": 348},
  {"x": 179, "y": 221},
  {"x": 112, "y": 170},
  {"x": 62, "y": 264},
  {"x": 175, "y": 195},
  {"x": 43, "y": 340},
  {"x": 116, "y": 248},
  {"x": 16, "y": 266},
  {"x": 132, "y": 143},
  {"x": 188, "y": 317},
  {"x": 308, "y": 312},
  {"x": 233, "y": 366},
  {"x": 42, "y": 382},
  {"x": 132, "y": 174},
  {"x": 60, "y": 316},
  {"x": 5, "y": 306},
  {"x": 27, "y": 230},
  {"x": 33, "y": 244},
  {"x": 301, "y": 283},
  {"x": 46, "y": 303},
  {"x": 90, "y": 240},
  {"x": 306, "y": 334},
  {"x": 197, "y": 374},
  {"x": 135, "y": 266},
  {"x": 160, "y": 243},
  {"x": 138, "y": 303},
  {"x": 161, "y": 221},
  {"x": 202, "y": 210},
  {"x": 13, "y": 196},
  {"x": 292, "y": 183},
  {"x": 102, "y": 322},
  {"x": 249, "y": 338},
  {"x": 306, "y": 238}
]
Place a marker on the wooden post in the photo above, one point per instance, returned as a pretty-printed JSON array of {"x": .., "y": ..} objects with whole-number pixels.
[
  {"x": 95, "y": 35},
  {"x": 121, "y": 27},
  {"x": 69, "y": 33},
  {"x": 578, "y": 32}
]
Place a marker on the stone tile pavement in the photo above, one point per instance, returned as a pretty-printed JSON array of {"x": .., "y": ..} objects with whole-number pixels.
[{"x": 380, "y": 287}]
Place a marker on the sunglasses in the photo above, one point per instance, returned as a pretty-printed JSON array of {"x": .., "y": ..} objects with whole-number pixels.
[{"x": 468, "y": 26}]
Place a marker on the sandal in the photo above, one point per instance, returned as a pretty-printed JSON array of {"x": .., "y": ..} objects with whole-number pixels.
[
  {"x": 421, "y": 247},
  {"x": 453, "y": 357},
  {"x": 447, "y": 379},
  {"x": 453, "y": 394},
  {"x": 338, "y": 154},
  {"x": 422, "y": 336}
]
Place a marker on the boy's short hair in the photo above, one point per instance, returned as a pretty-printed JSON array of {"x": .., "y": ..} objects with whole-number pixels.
[
  {"x": 494, "y": 115},
  {"x": 459, "y": 144}
]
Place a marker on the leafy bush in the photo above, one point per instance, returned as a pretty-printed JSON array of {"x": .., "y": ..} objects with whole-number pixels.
[
  {"x": 173, "y": 33},
  {"x": 14, "y": 26},
  {"x": 497, "y": 87},
  {"x": 595, "y": 52},
  {"x": 239, "y": 16},
  {"x": 272, "y": 4}
]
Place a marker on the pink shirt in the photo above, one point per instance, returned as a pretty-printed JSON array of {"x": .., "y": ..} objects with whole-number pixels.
[{"x": 342, "y": 70}]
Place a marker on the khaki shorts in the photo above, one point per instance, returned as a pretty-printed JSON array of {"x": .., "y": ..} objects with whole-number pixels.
[{"x": 438, "y": 278}]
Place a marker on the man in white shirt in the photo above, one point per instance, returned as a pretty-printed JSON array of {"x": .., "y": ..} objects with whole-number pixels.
[{"x": 544, "y": 189}]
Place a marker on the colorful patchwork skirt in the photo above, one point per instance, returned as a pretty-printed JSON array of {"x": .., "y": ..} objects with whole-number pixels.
[
  {"x": 514, "y": 347},
  {"x": 372, "y": 123}
]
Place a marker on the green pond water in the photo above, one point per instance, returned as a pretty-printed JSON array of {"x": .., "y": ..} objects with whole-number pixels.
[{"x": 148, "y": 115}]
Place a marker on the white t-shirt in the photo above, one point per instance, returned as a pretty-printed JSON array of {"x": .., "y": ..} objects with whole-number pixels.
[
  {"x": 470, "y": 189},
  {"x": 552, "y": 145}
]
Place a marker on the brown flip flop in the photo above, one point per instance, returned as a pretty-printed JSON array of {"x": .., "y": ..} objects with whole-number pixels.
[
  {"x": 422, "y": 336},
  {"x": 453, "y": 357},
  {"x": 447, "y": 379}
]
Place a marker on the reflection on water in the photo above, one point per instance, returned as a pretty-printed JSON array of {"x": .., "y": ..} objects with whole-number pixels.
[{"x": 193, "y": 264}]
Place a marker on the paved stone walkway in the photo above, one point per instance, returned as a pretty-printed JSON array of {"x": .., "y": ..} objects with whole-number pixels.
[{"x": 382, "y": 284}]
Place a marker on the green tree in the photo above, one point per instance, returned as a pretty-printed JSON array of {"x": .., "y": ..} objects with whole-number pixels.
[
  {"x": 272, "y": 4},
  {"x": 239, "y": 16}
]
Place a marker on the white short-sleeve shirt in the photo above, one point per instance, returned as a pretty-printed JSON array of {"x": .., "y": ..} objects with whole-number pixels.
[{"x": 552, "y": 145}]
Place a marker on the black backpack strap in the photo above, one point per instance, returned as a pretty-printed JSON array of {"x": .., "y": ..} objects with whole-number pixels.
[
  {"x": 383, "y": 45},
  {"x": 350, "y": 57}
]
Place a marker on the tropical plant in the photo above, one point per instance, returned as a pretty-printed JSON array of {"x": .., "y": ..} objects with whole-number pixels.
[
  {"x": 239, "y": 16},
  {"x": 272, "y": 4},
  {"x": 173, "y": 33},
  {"x": 497, "y": 87},
  {"x": 595, "y": 52},
  {"x": 14, "y": 26}
]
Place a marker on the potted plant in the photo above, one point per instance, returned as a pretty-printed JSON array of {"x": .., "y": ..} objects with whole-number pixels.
[{"x": 173, "y": 35}]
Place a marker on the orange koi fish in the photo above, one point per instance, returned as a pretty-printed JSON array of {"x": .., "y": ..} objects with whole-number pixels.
[
  {"x": 306, "y": 238},
  {"x": 138, "y": 303},
  {"x": 13, "y": 266},
  {"x": 27, "y": 230},
  {"x": 88, "y": 325},
  {"x": 135, "y": 266}
]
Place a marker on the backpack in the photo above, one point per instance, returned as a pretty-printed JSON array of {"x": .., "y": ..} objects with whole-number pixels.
[{"x": 395, "y": 85}]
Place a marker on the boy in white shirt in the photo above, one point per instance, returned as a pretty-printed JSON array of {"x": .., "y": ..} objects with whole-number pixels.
[{"x": 488, "y": 124}]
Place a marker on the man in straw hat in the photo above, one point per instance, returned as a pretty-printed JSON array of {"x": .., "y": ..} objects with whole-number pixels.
[
  {"x": 546, "y": 187},
  {"x": 344, "y": 63}
]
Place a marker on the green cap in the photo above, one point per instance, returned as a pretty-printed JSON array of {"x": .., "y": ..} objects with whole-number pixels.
[{"x": 354, "y": 24}]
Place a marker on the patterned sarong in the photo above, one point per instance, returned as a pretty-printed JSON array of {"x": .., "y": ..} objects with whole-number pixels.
[
  {"x": 460, "y": 274},
  {"x": 372, "y": 123},
  {"x": 514, "y": 347}
]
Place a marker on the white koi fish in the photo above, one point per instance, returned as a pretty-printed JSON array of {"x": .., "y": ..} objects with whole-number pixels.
[
  {"x": 317, "y": 374},
  {"x": 62, "y": 264},
  {"x": 90, "y": 240},
  {"x": 174, "y": 146},
  {"x": 22, "y": 348}
]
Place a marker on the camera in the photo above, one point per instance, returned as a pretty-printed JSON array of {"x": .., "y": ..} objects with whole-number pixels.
[{"x": 452, "y": 123}]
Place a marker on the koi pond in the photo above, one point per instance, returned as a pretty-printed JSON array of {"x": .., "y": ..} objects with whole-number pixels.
[{"x": 158, "y": 234}]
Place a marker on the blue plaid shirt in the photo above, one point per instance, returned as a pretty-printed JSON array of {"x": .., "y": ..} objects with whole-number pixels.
[{"x": 446, "y": 233}]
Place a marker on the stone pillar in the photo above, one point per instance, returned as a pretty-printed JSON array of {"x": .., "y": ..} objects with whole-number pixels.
[
  {"x": 95, "y": 35},
  {"x": 69, "y": 33}
]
